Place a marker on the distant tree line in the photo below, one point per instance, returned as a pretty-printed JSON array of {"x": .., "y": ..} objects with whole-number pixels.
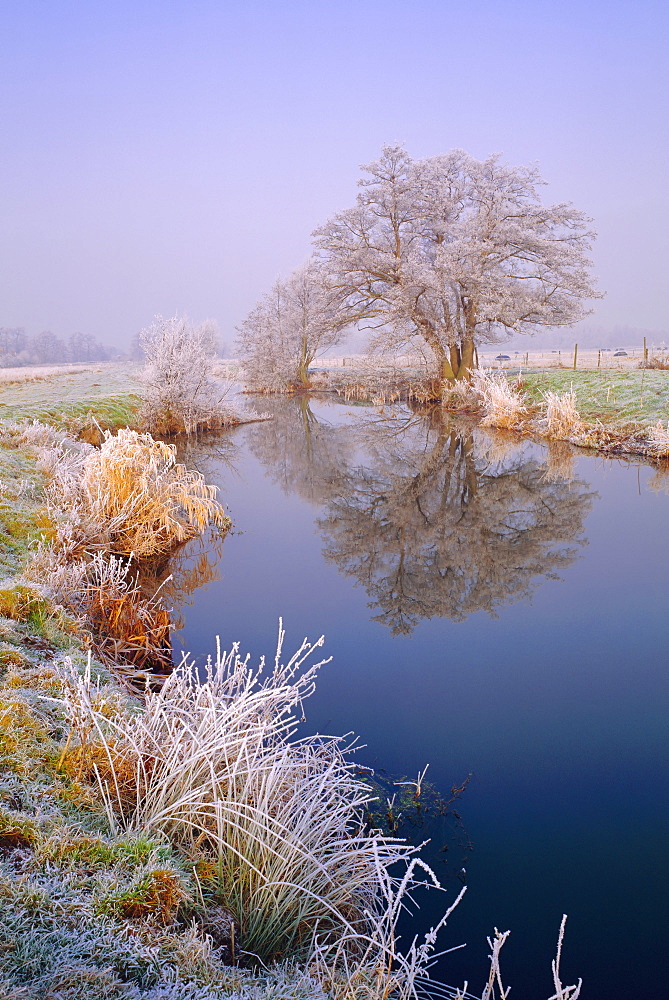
[{"x": 18, "y": 348}]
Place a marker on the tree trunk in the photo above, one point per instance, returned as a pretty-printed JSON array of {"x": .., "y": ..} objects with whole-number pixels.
[
  {"x": 303, "y": 370},
  {"x": 456, "y": 359},
  {"x": 467, "y": 362},
  {"x": 445, "y": 368}
]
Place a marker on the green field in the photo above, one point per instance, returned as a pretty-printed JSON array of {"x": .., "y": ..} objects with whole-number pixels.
[
  {"x": 110, "y": 392},
  {"x": 617, "y": 398}
]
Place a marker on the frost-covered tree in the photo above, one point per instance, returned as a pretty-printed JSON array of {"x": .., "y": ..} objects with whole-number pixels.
[
  {"x": 180, "y": 391},
  {"x": 456, "y": 252},
  {"x": 294, "y": 323}
]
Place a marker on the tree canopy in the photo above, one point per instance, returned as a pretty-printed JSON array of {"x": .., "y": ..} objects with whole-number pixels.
[
  {"x": 456, "y": 252},
  {"x": 297, "y": 320}
]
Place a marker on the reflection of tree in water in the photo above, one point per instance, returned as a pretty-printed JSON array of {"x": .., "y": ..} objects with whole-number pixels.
[
  {"x": 437, "y": 531},
  {"x": 300, "y": 452},
  {"x": 426, "y": 516}
]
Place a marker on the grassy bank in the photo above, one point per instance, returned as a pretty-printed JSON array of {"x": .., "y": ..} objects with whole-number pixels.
[
  {"x": 180, "y": 845},
  {"x": 72, "y": 397},
  {"x": 615, "y": 398}
]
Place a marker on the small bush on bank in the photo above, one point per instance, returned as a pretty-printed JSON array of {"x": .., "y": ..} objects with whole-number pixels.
[{"x": 180, "y": 394}]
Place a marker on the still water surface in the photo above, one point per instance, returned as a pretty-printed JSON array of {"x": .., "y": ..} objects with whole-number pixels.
[{"x": 493, "y": 608}]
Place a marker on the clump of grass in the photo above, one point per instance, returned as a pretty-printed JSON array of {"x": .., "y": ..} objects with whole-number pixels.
[
  {"x": 156, "y": 895},
  {"x": 503, "y": 405},
  {"x": 212, "y": 766},
  {"x": 24, "y": 736},
  {"x": 15, "y": 831},
  {"x": 461, "y": 395},
  {"x": 12, "y": 658},
  {"x": 658, "y": 440},
  {"x": 148, "y": 502},
  {"x": 129, "y": 496},
  {"x": 26, "y": 605},
  {"x": 562, "y": 417}
]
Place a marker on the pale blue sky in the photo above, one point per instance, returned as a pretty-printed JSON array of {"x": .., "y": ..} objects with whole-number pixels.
[{"x": 175, "y": 156}]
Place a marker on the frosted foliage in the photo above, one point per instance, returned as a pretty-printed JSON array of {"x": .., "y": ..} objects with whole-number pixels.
[
  {"x": 180, "y": 392},
  {"x": 294, "y": 323},
  {"x": 457, "y": 252}
]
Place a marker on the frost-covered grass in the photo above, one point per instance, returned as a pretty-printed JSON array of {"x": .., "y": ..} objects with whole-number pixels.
[
  {"x": 615, "y": 398},
  {"x": 69, "y": 396},
  {"x": 104, "y": 510},
  {"x": 143, "y": 848},
  {"x": 503, "y": 406},
  {"x": 125, "y": 831}
]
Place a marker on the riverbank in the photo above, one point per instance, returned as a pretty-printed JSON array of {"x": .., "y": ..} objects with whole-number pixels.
[
  {"x": 105, "y": 894},
  {"x": 611, "y": 413},
  {"x": 125, "y": 873}
]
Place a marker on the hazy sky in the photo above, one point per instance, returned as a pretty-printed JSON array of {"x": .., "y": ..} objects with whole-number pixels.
[{"x": 175, "y": 156}]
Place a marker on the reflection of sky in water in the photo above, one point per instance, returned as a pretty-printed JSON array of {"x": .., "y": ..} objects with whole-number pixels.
[{"x": 557, "y": 706}]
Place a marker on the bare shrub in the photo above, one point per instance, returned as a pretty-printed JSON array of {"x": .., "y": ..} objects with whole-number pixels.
[
  {"x": 180, "y": 394},
  {"x": 658, "y": 361},
  {"x": 562, "y": 417}
]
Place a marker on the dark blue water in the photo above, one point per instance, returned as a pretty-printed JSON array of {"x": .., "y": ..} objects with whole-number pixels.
[{"x": 495, "y": 609}]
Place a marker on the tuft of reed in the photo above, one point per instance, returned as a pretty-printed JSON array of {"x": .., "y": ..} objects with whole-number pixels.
[
  {"x": 503, "y": 405},
  {"x": 130, "y": 495},
  {"x": 562, "y": 417},
  {"x": 213, "y": 766},
  {"x": 658, "y": 440},
  {"x": 148, "y": 502}
]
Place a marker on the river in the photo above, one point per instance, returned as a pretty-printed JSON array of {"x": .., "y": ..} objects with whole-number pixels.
[{"x": 497, "y": 609}]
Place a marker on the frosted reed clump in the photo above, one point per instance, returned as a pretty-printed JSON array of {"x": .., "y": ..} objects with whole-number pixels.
[
  {"x": 503, "y": 405},
  {"x": 214, "y": 765},
  {"x": 562, "y": 416}
]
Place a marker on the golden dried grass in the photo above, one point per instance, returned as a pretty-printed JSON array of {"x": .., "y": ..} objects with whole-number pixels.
[
  {"x": 562, "y": 417},
  {"x": 148, "y": 502}
]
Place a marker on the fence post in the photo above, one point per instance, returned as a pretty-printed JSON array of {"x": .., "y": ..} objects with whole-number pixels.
[{"x": 575, "y": 355}]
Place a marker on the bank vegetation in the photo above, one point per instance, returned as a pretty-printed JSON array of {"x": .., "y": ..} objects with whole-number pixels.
[{"x": 168, "y": 835}]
